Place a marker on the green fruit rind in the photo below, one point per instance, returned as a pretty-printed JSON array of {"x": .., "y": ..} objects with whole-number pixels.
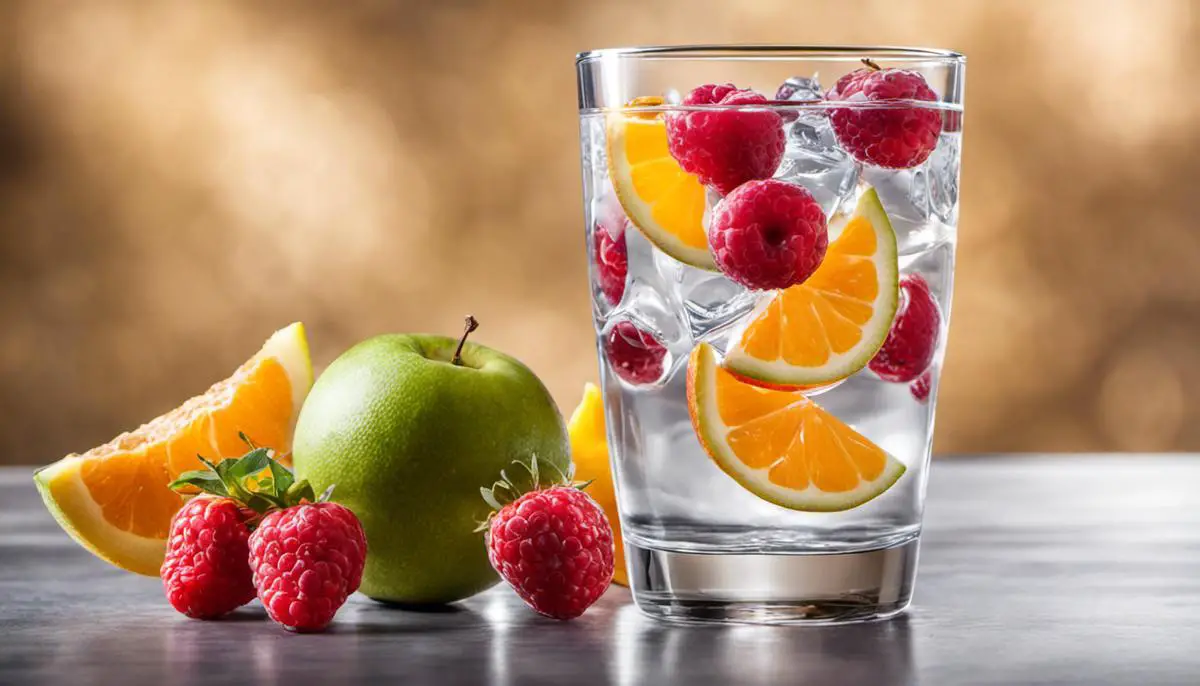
[
  {"x": 706, "y": 420},
  {"x": 874, "y": 332},
  {"x": 409, "y": 438}
]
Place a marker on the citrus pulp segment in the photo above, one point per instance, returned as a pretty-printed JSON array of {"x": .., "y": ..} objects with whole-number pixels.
[
  {"x": 114, "y": 499},
  {"x": 830, "y": 326},
  {"x": 662, "y": 200},
  {"x": 782, "y": 446},
  {"x": 589, "y": 452}
]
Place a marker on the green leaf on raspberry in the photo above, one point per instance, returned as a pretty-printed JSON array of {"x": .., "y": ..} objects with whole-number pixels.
[
  {"x": 256, "y": 480},
  {"x": 508, "y": 489},
  {"x": 299, "y": 492},
  {"x": 489, "y": 496},
  {"x": 249, "y": 464},
  {"x": 206, "y": 481},
  {"x": 281, "y": 478}
]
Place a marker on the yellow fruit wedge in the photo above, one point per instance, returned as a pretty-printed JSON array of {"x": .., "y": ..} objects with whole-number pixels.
[
  {"x": 589, "y": 452},
  {"x": 830, "y": 326},
  {"x": 114, "y": 500},
  {"x": 782, "y": 446},
  {"x": 662, "y": 200}
]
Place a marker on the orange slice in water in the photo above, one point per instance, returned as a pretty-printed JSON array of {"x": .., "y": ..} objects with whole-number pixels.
[
  {"x": 662, "y": 200},
  {"x": 782, "y": 446},
  {"x": 113, "y": 499},
  {"x": 830, "y": 326}
]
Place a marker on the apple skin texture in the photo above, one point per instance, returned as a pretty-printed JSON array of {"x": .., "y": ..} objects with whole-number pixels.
[{"x": 408, "y": 439}]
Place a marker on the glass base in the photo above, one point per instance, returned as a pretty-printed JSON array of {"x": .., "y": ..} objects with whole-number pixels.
[{"x": 807, "y": 589}]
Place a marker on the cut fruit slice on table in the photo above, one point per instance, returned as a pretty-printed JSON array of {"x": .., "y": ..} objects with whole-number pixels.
[
  {"x": 830, "y": 326},
  {"x": 114, "y": 500},
  {"x": 661, "y": 199},
  {"x": 782, "y": 446},
  {"x": 589, "y": 452}
]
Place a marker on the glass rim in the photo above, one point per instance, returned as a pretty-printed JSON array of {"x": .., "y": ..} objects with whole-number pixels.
[{"x": 775, "y": 52}]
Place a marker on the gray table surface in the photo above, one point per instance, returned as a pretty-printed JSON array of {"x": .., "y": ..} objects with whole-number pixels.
[{"x": 1034, "y": 570}]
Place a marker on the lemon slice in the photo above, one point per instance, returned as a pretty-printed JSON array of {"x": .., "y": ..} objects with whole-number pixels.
[
  {"x": 114, "y": 500},
  {"x": 782, "y": 446},
  {"x": 830, "y": 326},
  {"x": 662, "y": 200}
]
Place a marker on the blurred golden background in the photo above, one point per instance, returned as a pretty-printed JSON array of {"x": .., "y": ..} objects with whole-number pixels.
[{"x": 177, "y": 180}]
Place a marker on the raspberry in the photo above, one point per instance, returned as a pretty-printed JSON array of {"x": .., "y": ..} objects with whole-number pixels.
[
  {"x": 307, "y": 560},
  {"x": 896, "y": 138},
  {"x": 709, "y": 94},
  {"x": 768, "y": 234},
  {"x": 634, "y": 354},
  {"x": 612, "y": 261},
  {"x": 205, "y": 573},
  {"x": 555, "y": 547},
  {"x": 726, "y": 148},
  {"x": 920, "y": 387},
  {"x": 908, "y": 350}
]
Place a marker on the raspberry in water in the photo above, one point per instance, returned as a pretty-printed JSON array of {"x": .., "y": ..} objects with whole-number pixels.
[
  {"x": 908, "y": 350},
  {"x": 725, "y": 148},
  {"x": 768, "y": 234},
  {"x": 634, "y": 354},
  {"x": 897, "y": 137}
]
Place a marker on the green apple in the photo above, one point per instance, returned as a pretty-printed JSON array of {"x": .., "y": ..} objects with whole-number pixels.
[{"x": 408, "y": 428}]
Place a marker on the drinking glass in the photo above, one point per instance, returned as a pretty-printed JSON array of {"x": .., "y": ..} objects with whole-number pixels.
[{"x": 770, "y": 372}]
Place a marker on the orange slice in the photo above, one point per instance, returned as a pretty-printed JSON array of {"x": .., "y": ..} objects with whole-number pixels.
[
  {"x": 659, "y": 197},
  {"x": 113, "y": 499},
  {"x": 782, "y": 446},
  {"x": 589, "y": 452},
  {"x": 830, "y": 326}
]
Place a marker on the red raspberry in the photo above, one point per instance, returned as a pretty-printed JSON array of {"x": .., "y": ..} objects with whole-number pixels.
[
  {"x": 307, "y": 560},
  {"x": 634, "y": 354},
  {"x": 768, "y": 234},
  {"x": 709, "y": 94},
  {"x": 896, "y": 138},
  {"x": 726, "y": 148},
  {"x": 920, "y": 387},
  {"x": 205, "y": 573},
  {"x": 612, "y": 261},
  {"x": 908, "y": 350},
  {"x": 555, "y": 547}
]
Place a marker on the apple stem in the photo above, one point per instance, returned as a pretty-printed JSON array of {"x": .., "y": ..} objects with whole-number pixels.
[
  {"x": 471, "y": 326},
  {"x": 870, "y": 64}
]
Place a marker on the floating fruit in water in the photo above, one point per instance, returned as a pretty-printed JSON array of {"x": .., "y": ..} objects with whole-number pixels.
[
  {"x": 768, "y": 234},
  {"x": 782, "y": 446},
  {"x": 662, "y": 200},
  {"x": 912, "y": 341},
  {"x": 897, "y": 137},
  {"x": 830, "y": 326},
  {"x": 725, "y": 148}
]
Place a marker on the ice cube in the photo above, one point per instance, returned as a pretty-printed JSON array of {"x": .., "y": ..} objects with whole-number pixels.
[
  {"x": 711, "y": 302},
  {"x": 943, "y": 178},
  {"x": 800, "y": 88},
  {"x": 921, "y": 202},
  {"x": 593, "y": 133},
  {"x": 813, "y": 159},
  {"x": 649, "y": 295},
  {"x": 706, "y": 299},
  {"x": 607, "y": 212}
]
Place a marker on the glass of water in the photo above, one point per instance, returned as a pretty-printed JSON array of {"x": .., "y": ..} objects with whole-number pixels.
[{"x": 771, "y": 236}]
